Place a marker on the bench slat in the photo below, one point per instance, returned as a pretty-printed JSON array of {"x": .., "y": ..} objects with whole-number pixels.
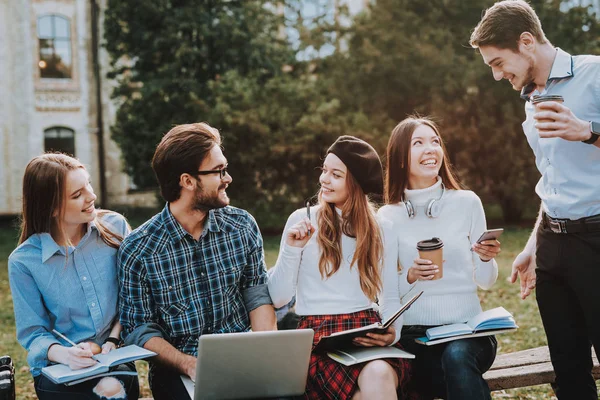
[
  {"x": 525, "y": 357},
  {"x": 525, "y": 368}
]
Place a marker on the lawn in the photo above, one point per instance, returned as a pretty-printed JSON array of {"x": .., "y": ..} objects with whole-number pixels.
[{"x": 530, "y": 333}]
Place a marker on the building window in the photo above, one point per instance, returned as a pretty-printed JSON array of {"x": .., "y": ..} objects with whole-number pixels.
[
  {"x": 54, "y": 35},
  {"x": 60, "y": 139}
]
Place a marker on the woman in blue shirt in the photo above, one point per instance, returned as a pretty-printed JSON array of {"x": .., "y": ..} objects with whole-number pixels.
[{"x": 63, "y": 276}]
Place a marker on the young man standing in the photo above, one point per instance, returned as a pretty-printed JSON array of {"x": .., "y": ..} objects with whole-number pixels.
[
  {"x": 565, "y": 243},
  {"x": 195, "y": 268}
]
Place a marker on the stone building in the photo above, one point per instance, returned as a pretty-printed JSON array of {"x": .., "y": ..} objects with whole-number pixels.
[{"x": 54, "y": 95}]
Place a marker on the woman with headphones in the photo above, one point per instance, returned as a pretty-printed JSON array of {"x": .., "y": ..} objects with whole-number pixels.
[{"x": 424, "y": 200}]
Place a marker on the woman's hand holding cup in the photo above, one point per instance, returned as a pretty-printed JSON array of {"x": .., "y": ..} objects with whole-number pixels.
[
  {"x": 299, "y": 234},
  {"x": 422, "y": 270}
]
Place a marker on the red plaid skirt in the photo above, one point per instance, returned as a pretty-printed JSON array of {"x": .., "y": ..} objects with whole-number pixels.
[{"x": 328, "y": 379}]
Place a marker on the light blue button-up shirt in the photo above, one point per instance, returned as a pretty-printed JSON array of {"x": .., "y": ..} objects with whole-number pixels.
[
  {"x": 76, "y": 295},
  {"x": 570, "y": 182}
]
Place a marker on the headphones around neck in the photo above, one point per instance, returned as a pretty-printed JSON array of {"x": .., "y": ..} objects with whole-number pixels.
[{"x": 433, "y": 209}]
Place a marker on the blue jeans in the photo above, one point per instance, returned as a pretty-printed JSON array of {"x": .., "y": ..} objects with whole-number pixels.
[
  {"x": 451, "y": 370},
  {"x": 48, "y": 390}
]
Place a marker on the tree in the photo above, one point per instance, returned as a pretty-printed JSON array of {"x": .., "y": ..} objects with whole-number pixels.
[{"x": 407, "y": 56}]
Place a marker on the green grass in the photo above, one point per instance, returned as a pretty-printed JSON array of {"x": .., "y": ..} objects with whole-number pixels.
[{"x": 530, "y": 333}]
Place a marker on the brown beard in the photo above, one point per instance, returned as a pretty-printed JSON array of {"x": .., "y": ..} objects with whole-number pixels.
[
  {"x": 528, "y": 77},
  {"x": 205, "y": 202}
]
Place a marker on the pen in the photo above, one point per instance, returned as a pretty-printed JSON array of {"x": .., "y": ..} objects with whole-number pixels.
[
  {"x": 308, "y": 212},
  {"x": 60, "y": 335},
  {"x": 72, "y": 343}
]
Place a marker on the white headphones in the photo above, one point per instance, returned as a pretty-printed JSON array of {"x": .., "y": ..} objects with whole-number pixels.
[{"x": 433, "y": 209}]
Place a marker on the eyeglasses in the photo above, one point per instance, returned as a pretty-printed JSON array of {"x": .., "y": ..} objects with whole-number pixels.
[{"x": 222, "y": 172}]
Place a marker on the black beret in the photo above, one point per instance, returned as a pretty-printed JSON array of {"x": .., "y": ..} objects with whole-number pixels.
[{"x": 362, "y": 161}]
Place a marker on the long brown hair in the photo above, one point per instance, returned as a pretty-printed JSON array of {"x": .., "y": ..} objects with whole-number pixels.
[
  {"x": 398, "y": 159},
  {"x": 358, "y": 220},
  {"x": 44, "y": 185}
]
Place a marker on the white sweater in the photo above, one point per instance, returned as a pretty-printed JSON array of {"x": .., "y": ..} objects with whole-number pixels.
[
  {"x": 453, "y": 298},
  {"x": 297, "y": 273}
]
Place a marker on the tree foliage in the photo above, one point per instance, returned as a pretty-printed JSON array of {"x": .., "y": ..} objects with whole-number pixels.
[{"x": 180, "y": 61}]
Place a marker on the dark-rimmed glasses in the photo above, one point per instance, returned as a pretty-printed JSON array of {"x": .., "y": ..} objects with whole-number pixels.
[{"x": 222, "y": 172}]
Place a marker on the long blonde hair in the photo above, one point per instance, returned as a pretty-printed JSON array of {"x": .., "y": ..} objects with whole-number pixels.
[
  {"x": 358, "y": 220},
  {"x": 44, "y": 200}
]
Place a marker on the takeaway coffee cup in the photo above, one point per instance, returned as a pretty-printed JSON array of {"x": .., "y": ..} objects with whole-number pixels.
[
  {"x": 547, "y": 97},
  {"x": 432, "y": 249}
]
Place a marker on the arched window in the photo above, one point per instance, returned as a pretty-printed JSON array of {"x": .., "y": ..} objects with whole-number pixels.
[
  {"x": 60, "y": 139},
  {"x": 54, "y": 35}
]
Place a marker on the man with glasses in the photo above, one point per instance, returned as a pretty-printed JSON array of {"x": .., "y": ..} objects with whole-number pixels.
[{"x": 195, "y": 268}]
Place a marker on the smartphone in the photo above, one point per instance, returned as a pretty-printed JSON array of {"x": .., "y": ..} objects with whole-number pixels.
[{"x": 490, "y": 234}]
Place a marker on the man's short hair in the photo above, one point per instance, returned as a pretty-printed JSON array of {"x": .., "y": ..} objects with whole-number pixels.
[
  {"x": 180, "y": 151},
  {"x": 502, "y": 25}
]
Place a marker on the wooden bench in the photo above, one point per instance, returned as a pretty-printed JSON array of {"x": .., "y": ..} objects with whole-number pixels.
[
  {"x": 522, "y": 368},
  {"x": 525, "y": 368}
]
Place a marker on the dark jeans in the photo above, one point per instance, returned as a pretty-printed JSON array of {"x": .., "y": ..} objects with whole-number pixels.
[
  {"x": 568, "y": 275},
  {"x": 451, "y": 370},
  {"x": 166, "y": 383},
  {"x": 48, "y": 390}
]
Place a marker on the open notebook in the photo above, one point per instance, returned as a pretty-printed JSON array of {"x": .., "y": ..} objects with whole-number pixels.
[
  {"x": 61, "y": 373},
  {"x": 343, "y": 339},
  {"x": 490, "y": 322}
]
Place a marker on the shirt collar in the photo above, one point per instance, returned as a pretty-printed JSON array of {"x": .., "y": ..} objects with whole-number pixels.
[
  {"x": 562, "y": 68},
  {"x": 50, "y": 247},
  {"x": 176, "y": 231}
]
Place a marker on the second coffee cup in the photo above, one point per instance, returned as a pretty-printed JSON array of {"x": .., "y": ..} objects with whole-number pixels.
[{"x": 432, "y": 249}]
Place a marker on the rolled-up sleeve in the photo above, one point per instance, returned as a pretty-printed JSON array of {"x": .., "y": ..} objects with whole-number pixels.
[
  {"x": 142, "y": 333},
  {"x": 254, "y": 286},
  {"x": 256, "y": 296}
]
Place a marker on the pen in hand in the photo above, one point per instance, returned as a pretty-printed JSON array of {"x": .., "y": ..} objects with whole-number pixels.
[{"x": 72, "y": 343}]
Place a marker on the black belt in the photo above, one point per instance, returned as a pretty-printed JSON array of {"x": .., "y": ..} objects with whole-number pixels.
[{"x": 582, "y": 225}]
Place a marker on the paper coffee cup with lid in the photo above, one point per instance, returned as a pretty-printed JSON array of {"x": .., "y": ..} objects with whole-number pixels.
[
  {"x": 537, "y": 99},
  {"x": 432, "y": 249}
]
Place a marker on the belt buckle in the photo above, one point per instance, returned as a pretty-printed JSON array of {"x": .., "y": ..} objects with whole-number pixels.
[{"x": 557, "y": 226}]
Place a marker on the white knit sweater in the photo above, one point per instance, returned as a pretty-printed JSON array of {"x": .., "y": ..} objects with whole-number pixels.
[
  {"x": 453, "y": 298},
  {"x": 297, "y": 273}
]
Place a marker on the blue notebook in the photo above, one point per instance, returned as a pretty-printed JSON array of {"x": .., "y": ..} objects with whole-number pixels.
[{"x": 490, "y": 322}]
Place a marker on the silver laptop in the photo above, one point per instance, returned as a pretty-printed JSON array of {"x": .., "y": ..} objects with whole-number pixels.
[{"x": 252, "y": 364}]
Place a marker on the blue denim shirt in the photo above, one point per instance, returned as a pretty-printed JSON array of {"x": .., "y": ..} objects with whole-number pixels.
[
  {"x": 76, "y": 295},
  {"x": 569, "y": 185}
]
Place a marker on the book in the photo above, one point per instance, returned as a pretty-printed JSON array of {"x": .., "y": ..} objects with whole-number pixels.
[
  {"x": 343, "y": 339},
  {"x": 61, "y": 373},
  {"x": 357, "y": 355},
  {"x": 490, "y": 322}
]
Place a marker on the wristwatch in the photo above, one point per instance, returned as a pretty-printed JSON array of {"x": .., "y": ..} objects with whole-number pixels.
[{"x": 595, "y": 129}]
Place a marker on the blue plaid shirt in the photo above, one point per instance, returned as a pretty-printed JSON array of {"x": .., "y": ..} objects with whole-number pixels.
[{"x": 178, "y": 288}]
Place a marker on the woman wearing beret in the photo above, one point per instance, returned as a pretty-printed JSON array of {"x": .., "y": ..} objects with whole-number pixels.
[{"x": 337, "y": 266}]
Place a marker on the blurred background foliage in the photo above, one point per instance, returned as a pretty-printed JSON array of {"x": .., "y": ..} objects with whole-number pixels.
[{"x": 281, "y": 88}]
